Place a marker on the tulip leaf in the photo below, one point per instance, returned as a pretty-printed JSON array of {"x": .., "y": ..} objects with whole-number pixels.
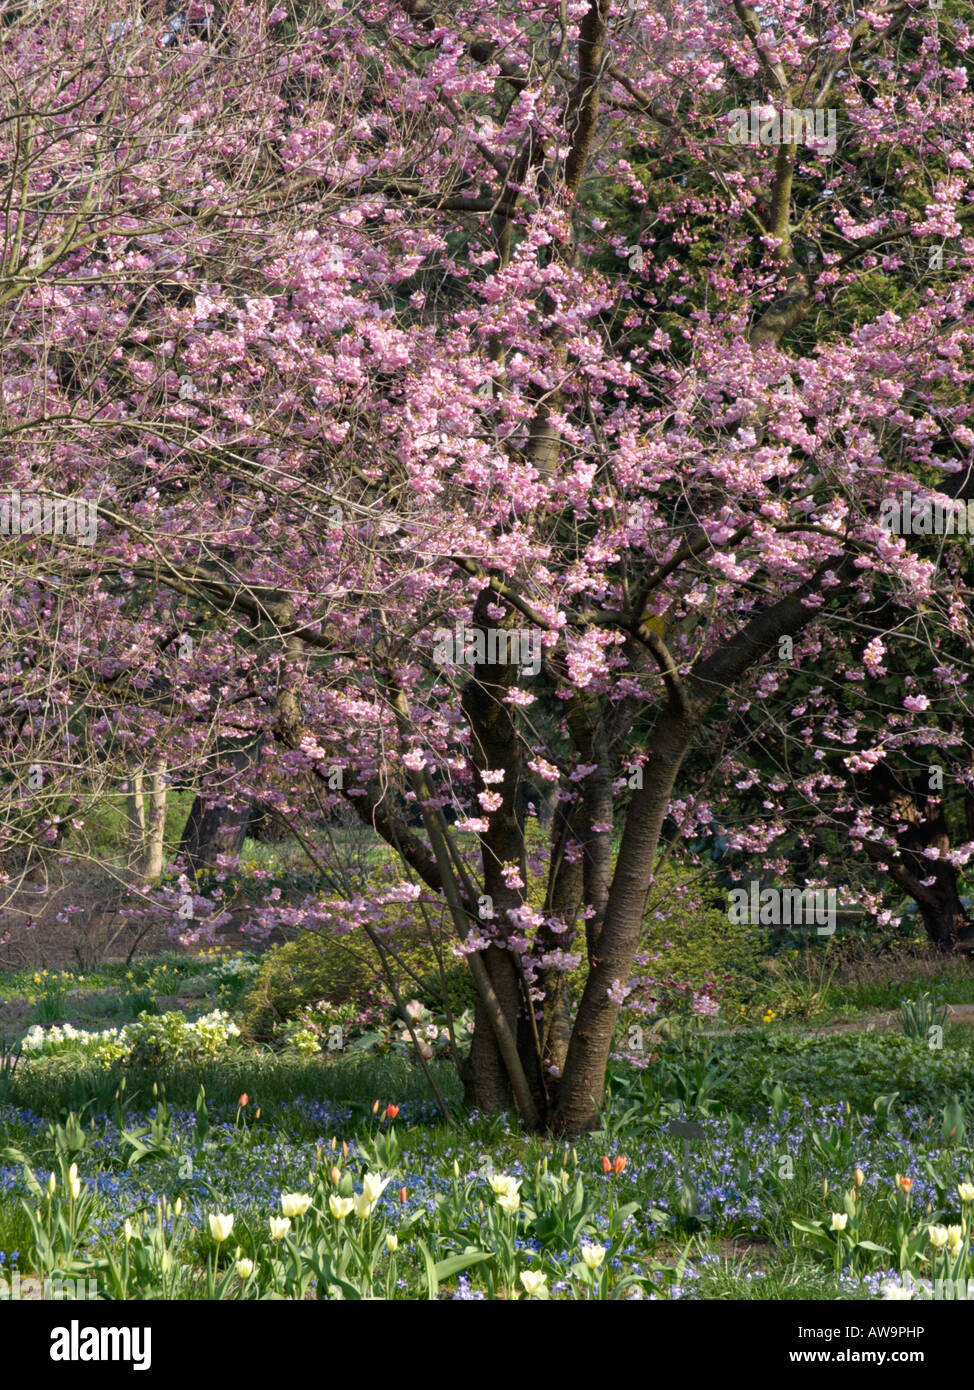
[{"x": 443, "y": 1269}]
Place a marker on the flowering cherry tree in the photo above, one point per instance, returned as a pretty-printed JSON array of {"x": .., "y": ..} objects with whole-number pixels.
[{"x": 478, "y": 410}]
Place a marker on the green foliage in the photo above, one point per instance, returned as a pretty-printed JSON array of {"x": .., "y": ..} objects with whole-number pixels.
[
  {"x": 850, "y": 1068},
  {"x": 687, "y": 927},
  {"x": 319, "y": 966},
  {"x": 314, "y": 966},
  {"x": 920, "y": 1015}
]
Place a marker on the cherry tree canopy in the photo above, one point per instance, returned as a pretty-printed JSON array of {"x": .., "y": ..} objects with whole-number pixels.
[{"x": 467, "y": 406}]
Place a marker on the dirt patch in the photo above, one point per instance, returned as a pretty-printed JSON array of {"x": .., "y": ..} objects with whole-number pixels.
[{"x": 878, "y": 1023}]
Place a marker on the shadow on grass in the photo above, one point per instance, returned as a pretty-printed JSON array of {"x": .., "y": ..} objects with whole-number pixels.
[{"x": 53, "y": 1086}]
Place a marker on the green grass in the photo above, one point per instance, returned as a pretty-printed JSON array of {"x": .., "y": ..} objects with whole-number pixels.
[{"x": 56, "y": 1085}]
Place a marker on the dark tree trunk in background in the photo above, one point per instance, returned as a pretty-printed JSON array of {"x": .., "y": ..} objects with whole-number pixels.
[
  {"x": 915, "y": 815},
  {"x": 211, "y": 830}
]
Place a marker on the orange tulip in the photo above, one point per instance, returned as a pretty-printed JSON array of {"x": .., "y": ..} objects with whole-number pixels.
[
  {"x": 606, "y": 1164},
  {"x": 402, "y": 1195},
  {"x": 391, "y": 1112},
  {"x": 906, "y": 1184},
  {"x": 619, "y": 1163},
  {"x": 243, "y": 1100}
]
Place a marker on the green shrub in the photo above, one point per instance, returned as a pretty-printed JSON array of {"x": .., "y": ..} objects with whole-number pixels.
[
  {"x": 317, "y": 966},
  {"x": 688, "y": 929}
]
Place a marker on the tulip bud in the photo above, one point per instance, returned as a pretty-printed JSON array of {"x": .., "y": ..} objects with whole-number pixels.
[
  {"x": 859, "y": 1176},
  {"x": 75, "y": 1188},
  {"x": 344, "y": 1149},
  {"x": 456, "y": 1169},
  {"x": 402, "y": 1195},
  {"x": 375, "y": 1108},
  {"x": 52, "y": 1184},
  {"x": 335, "y": 1175},
  {"x": 245, "y": 1269},
  {"x": 619, "y": 1162},
  {"x": 334, "y": 1143},
  {"x": 177, "y": 1209},
  {"x": 244, "y": 1099},
  {"x": 392, "y": 1243},
  {"x": 128, "y": 1231}
]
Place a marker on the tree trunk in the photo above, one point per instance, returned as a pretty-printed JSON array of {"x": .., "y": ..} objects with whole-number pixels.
[
  {"x": 583, "y": 1085},
  {"x": 495, "y": 747},
  {"x": 154, "y": 844},
  {"x": 918, "y": 821},
  {"x": 212, "y": 830},
  {"x": 135, "y": 811}
]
